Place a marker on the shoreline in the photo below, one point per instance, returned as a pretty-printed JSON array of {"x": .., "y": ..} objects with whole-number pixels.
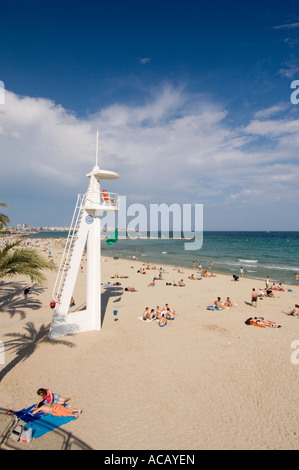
[{"x": 278, "y": 272}]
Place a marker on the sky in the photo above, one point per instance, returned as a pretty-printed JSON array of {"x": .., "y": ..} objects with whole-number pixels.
[{"x": 192, "y": 100}]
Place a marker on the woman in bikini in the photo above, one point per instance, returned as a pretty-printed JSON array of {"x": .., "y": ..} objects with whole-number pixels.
[{"x": 49, "y": 398}]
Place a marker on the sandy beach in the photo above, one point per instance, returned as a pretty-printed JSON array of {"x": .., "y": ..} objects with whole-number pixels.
[{"x": 204, "y": 381}]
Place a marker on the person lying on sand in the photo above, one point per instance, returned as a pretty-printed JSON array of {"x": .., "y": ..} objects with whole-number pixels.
[
  {"x": 294, "y": 312},
  {"x": 261, "y": 322},
  {"x": 130, "y": 289},
  {"x": 208, "y": 274},
  {"x": 57, "y": 410}
]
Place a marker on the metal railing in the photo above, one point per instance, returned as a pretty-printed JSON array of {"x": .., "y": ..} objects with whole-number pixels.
[{"x": 68, "y": 249}]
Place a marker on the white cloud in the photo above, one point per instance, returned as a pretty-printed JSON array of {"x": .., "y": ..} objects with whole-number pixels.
[
  {"x": 272, "y": 128},
  {"x": 287, "y": 26},
  {"x": 145, "y": 60},
  {"x": 290, "y": 69},
  {"x": 270, "y": 111},
  {"x": 174, "y": 148}
]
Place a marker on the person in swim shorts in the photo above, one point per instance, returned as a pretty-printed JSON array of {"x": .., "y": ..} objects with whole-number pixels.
[{"x": 254, "y": 296}]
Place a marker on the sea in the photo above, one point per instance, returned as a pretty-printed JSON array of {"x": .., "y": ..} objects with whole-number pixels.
[{"x": 259, "y": 254}]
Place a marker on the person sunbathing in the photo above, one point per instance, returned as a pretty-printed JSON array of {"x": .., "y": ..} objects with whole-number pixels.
[
  {"x": 261, "y": 322},
  {"x": 181, "y": 283},
  {"x": 145, "y": 313},
  {"x": 170, "y": 308},
  {"x": 169, "y": 314},
  {"x": 158, "y": 311},
  {"x": 262, "y": 293},
  {"x": 152, "y": 315},
  {"x": 228, "y": 302},
  {"x": 57, "y": 410},
  {"x": 269, "y": 293},
  {"x": 47, "y": 397},
  {"x": 162, "y": 321},
  {"x": 218, "y": 303},
  {"x": 294, "y": 312},
  {"x": 130, "y": 289}
]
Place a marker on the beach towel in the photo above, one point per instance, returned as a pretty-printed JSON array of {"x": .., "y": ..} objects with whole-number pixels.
[
  {"x": 40, "y": 423},
  {"x": 213, "y": 307}
]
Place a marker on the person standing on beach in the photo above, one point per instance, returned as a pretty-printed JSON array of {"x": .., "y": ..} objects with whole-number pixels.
[
  {"x": 241, "y": 271},
  {"x": 267, "y": 282},
  {"x": 297, "y": 279},
  {"x": 254, "y": 296}
]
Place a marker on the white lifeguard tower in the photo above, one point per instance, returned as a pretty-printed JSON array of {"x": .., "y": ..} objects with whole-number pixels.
[{"x": 85, "y": 228}]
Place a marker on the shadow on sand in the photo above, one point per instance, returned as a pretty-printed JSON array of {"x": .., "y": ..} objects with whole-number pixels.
[
  {"x": 24, "y": 345},
  {"x": 13, "y": 301},
  {"x": 114, "y": 292}
]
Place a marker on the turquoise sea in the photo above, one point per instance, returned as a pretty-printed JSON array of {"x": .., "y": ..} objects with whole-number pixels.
[{"x": 260, "y": 254}]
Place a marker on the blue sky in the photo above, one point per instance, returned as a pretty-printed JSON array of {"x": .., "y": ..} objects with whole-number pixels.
[{"x": 191, "y": 99}]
